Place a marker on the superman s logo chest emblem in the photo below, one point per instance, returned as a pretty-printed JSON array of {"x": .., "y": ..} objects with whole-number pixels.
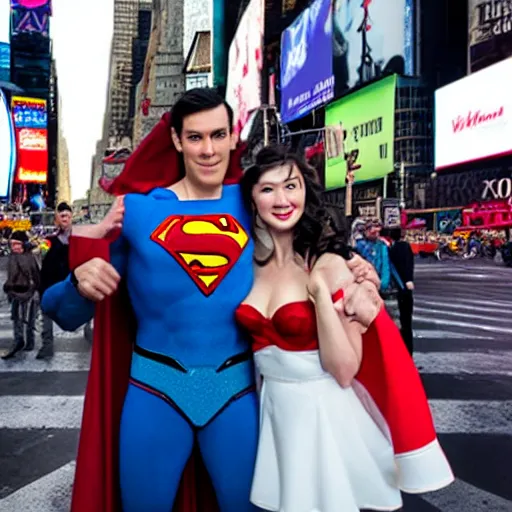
[{"x": 206, "y": 246}]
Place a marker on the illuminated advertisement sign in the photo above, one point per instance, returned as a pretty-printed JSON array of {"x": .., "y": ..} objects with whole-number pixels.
[
  {"x": 29, "y": 112},
  {"x": 473, "y": 117},
  {"x": 30, "y": 4},
  {"x": 7, "y": 148},
  {"x": 32, "y": 155},
  {"x": 243, "y": 89},
  {"x": 5, "y": 20},
  {"x": 5, "y": 62},
  {"x": 368, "y": 118}
]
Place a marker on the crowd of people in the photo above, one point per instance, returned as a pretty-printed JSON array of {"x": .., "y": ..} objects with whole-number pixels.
[{"x": 30, "y": 272}]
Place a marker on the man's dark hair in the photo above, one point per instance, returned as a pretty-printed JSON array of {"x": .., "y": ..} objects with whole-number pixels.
[
  {"x": 64, "y": 207},
  {"x": 194, "y": 101}
]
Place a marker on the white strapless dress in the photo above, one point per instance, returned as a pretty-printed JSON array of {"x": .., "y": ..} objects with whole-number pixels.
[{"x": 319, "y": 448}]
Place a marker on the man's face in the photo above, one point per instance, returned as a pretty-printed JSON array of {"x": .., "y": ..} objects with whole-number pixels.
[
  {"x": 206, "y": 143},
  {"x": 373, "y": 232},
  {"x": 63, "y": 219},
  {"x": 16, "y": 246}
]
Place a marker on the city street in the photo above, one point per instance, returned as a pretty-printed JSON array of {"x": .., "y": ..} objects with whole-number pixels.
[{"x": 463, "y": 332}]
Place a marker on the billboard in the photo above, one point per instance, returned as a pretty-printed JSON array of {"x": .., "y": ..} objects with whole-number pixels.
[
  {"x": 364, "y": 47},
  {"x": 7, "y": 148},
  {"x": 473, "y": 117},
  {"x": 30, "y": 121},
  {"x": 29, "y": 112},
  {"x": 32, "y": 155},
  {"x": 5, "y": 62},
  {"x": 31, "y": 4},
  {"x": 489, "y": 32},
  {"x": 245, "y": 63},
  {"x": 5, "y": 20},
  {"x": 306, "y": 62},
  {"x": 367, "y": 117}
]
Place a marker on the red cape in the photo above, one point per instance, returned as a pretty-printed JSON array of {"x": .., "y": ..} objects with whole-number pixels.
[{"x": 155, "y": 163}]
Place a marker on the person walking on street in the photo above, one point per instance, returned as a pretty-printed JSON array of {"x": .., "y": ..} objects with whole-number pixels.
[
  {"x": 55, "y": 268},
  {"x": 22, "y": 283},
  {"x": 402, "y": 258},
  {"x": 374, "y": 250}
]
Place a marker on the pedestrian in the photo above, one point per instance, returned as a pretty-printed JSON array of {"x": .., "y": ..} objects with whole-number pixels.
[
  {"x": 55, "y": 268},
  {"x": 374, "y": 250},
  {"x": 402, "y": 258},
  {"x": 23, "y": 278}
]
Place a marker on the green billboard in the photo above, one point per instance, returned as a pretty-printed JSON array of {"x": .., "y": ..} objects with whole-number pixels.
[{"x": 367, "y": 117}]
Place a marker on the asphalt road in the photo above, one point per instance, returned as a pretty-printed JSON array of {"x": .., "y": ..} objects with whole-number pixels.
[{"x": 463, "y": 329}]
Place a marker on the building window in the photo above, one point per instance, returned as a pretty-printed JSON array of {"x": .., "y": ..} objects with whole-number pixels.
[{"x": 197, "y": 80}]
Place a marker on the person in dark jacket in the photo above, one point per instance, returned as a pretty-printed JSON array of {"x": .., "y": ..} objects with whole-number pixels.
[
  {"x": 55, "y": 268},
  {"x": 402, "y": 258},
  {"x": 23, "y": 280}
]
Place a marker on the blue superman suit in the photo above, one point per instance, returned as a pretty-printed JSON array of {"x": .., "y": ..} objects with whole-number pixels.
[{"x": 187, "y": 265}]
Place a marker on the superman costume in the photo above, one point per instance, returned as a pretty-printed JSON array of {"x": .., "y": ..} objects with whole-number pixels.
[
  {"x": 324, "y": 448},
  {"x": 187, "y": 377}
]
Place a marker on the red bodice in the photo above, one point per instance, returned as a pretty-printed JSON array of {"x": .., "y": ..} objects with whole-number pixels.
[{"x": 292, "y": 327}]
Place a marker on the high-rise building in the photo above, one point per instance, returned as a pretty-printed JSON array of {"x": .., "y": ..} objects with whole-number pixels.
[
  {"x": 63, "y": 177},
  {"x": 129, "y": 26},
  {"x": 126, "y": 28}
]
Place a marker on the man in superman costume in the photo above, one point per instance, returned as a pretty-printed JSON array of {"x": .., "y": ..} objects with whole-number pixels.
[{"x": 187, "y": 378}]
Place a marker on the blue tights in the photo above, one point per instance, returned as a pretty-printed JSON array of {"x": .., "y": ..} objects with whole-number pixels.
[{"x": 156, "y": 443}]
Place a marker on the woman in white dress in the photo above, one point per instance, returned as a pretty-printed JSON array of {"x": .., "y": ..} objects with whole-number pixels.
[{"x": 323, "y": 446}]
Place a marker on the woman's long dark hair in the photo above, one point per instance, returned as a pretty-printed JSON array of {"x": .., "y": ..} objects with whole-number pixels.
[{"x": 320, "y": 229}]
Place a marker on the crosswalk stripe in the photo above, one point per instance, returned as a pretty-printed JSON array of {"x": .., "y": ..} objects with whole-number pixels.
[
  {"x": 65, "y": 412},
  {"x": 498, "y": 310},
  {"x": 468, "y": 498},
  {"x": 440, "y": 312},
  {"x": 454, "y": 323},
  {"x": 472, "y": 416},
  {"x": 455, "y": 363},
  {"x": 448, "y": 335},
  {"x": 61, "y": 362},
  {"x": 41, "y": 411},
  {"x": 51, "y": 493},
  {"x": 476, "y": 302}
]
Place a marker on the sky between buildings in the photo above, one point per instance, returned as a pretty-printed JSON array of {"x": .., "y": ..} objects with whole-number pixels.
[{"x": 81, "y": 33}]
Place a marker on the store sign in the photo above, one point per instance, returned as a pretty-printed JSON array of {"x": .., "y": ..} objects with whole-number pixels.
[
  {"x": 32, "y": 155},
  {"x": 307, "y": 81},
  {"x": 473, "y": 117},
  {"x": 368, "y": 119},
  {"x": 245, "y": 64},
  {"x": 7, "y": 148},
  {"x": 497, "y": 189},
  {"x": 489, "y": 32}
]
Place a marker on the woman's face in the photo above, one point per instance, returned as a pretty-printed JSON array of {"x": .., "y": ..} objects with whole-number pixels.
[{"x": 279, "y": 197}]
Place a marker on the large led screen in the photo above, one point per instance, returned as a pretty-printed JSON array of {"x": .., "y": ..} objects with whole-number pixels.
[
  {"x": 371, "y": 37},
  {"x": 245, "y": 64},
  {"x": 473, "y": 117},
  {"x": 7, "y": 148},
  {"x": 368, "y": 118},
  {"x": 31, "y": 120}
]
